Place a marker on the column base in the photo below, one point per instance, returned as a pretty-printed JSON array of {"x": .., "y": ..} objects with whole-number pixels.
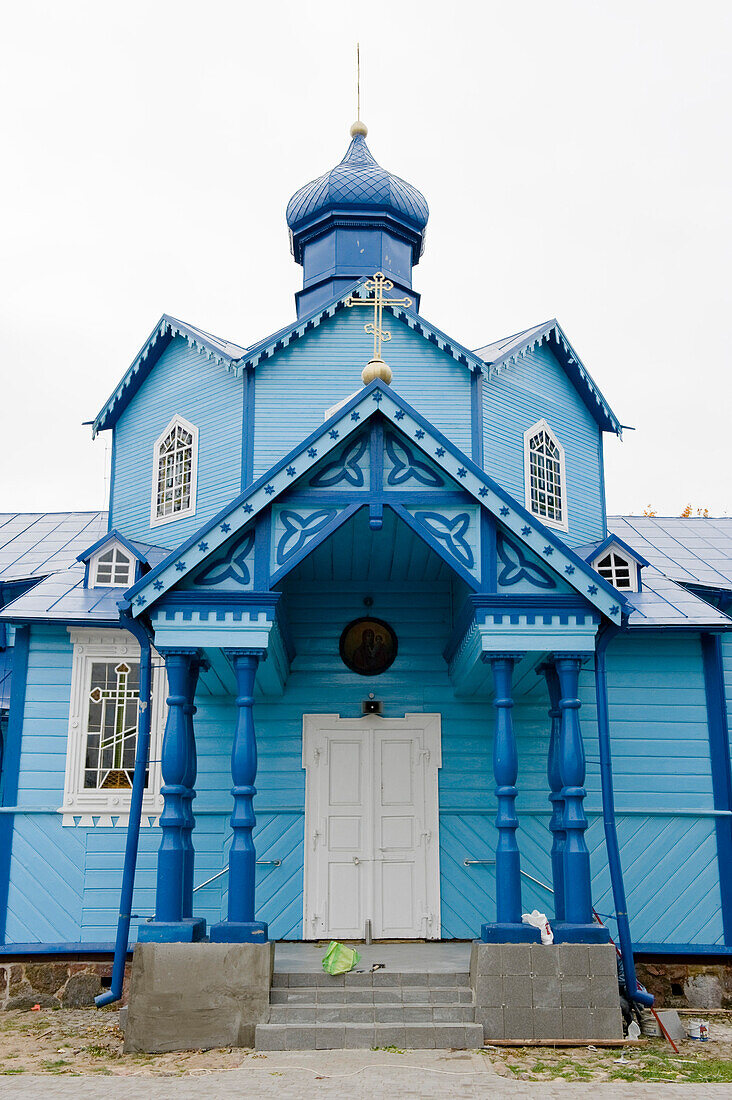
[
  {"x": 580, "y": 933},
  {"x": 189, "y": 930},
  {"x": 229, "y": 931},
  {"x": 509, "y": 933}
]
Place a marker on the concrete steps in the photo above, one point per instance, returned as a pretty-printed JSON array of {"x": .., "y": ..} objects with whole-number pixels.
[{"x": 317, "y": 1011}]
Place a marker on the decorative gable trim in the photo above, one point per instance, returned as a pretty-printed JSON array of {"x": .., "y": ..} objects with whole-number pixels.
[{"x": 525, "y": 528}]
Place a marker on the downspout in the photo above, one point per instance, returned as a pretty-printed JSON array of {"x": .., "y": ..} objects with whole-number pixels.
[
  {"x": 608, "y": 817},
  {"x": 142, "y": 635}
]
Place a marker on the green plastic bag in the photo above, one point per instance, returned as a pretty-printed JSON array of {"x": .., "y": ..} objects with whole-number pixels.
[{"x": 339, "y": 959}]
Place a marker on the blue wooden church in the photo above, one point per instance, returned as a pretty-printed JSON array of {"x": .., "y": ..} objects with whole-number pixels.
[{"x": 358, "y": 580}]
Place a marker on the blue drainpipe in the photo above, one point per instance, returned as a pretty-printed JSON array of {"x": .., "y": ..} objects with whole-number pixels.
[
  {"x": 608, "y": 817},
  {"x": 133, "y": 829}
]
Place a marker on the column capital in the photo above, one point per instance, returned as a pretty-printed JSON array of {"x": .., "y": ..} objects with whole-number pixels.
[
  {"x": 192, "y": 652},
  {"x": 579, "y": 657},
  {"x": 489, "y": 658},
  {"x": 233, "y": 653}
]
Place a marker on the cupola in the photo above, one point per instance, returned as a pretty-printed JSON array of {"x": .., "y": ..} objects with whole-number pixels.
[{"x": 355, "y": 220}]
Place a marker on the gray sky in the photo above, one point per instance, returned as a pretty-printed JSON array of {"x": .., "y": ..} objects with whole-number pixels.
[{"x": 576, "y": 157}]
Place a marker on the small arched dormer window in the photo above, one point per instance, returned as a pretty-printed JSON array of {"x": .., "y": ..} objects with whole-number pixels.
[
  {"x": 545, "y": 480},
  {"x": 175, "y": 462},
  {"x": 112, "y": 569},
  {"x": 622, "y": 572}
]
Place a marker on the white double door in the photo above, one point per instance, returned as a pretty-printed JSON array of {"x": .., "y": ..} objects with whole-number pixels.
[{"x": 371, "y": 826}]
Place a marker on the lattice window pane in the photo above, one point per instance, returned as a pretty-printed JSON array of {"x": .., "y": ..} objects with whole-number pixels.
[
  {"x": 175, "y": 468},
  {"x": 545, "y": 477},
  {"x": 114, "y": 568},
  {"x": 616, "y": 569},
  {"x": 111, "y": 725}
]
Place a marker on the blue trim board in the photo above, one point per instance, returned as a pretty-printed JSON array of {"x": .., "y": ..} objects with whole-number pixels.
[
  {"x": 111, "y": 536},
  {"x": 719, "y": 754},
  {"x": 476, "y": 417},
  {"x": 11, "y": 764},
  {"x": 247, "y": 428},
  {"x": 695, "y": 950},
  {"x": 23, "y": 950},
  {"x": 112, "y": 466}
]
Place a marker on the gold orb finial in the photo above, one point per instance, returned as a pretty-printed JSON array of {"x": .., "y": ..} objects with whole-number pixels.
[
  {"x": 359, "y": 127},
  {"x": 376, "y": 368}
]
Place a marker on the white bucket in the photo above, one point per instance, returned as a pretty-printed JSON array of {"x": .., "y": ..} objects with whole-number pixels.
[{"x": 699, "y": 1030}]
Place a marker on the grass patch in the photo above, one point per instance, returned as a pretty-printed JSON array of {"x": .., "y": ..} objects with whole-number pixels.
[{"x": 389, "y": 1050}]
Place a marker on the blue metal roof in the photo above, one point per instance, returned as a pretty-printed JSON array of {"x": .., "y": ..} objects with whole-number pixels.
[
  {"x": 509, "y": 349},
  {"x": 62, "y": 597},
  {"x": 691, "y": 551},
  {"x": 358, "y": 183},
  {"x": 35, "y": 544},
  {"x": 664, "y": 603}
]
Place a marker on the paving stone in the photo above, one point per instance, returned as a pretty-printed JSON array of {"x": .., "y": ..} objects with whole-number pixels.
[
  {"x": 418, "y": 979},
  {"x": 518, "y": 1022},
  {"x": 360, "y": 1014},
  {"x": 491, "y": 1020},
  {"x": 387, "y": 996},
  {"x": 449, "y": 1035},
  {"x": 301, "y": 1014},
  {"x": 358, "y": 996},
  {"x": 544, "y": 960},
  {"x": 330, "y": 1037},
  {"x": 355, "y": 979},
  {"x": 300, "y": 980},
  {"x": 280, "y": 980},
  {"x": 419, "y": 1038},
  {"x": 575, "y": 991},
  {"x": 574, "y": 958},
  {"x": 271, "y": 1037},
  {"x": 388, "y": 1035},
  {"x": 547, "y": 992},
  {"x": 416, "y": 996},
  {"x": 453, "y": 1014},
  {"x": 386, "y": 977},
  {"x": 489, "y": 990},
  {"x": 442, "y": 981},
  {"x": 516, "y": 958},
  {"x": 328, "y": 981},
  {"x": 388, "y": 1014},
  {"x": 548, "y": 1023},
  {"x": 465, "y": 996},
  {"x": 418, "y": 1014},
  {"x": 517, "y": 990},
  {"x": 359, "y": 1037},
  {"x": 485, "y": 958},
  {"x": 278, "y": 996},
  {"x": 448, "y": 996},
  {"x": 473, "y": 1036}
]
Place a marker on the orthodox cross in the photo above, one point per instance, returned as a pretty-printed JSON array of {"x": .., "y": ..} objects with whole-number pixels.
[{"x": 376, "y": 367}]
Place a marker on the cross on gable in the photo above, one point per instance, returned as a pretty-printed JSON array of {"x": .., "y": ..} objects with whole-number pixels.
[{"x": 376, "y": 367}]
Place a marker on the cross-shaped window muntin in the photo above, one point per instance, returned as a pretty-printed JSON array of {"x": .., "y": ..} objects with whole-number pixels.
[
  {"x": 620, "y": 571},
  {"x": 113, "y": 569},
  {"x": 111, "y": 725}
]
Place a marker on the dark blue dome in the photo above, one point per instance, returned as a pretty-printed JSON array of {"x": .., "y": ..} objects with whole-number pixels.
[{"x": 358, "y": 183}]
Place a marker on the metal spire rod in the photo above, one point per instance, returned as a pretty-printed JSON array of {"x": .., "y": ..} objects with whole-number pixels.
[{"x": 358, "y": 81}]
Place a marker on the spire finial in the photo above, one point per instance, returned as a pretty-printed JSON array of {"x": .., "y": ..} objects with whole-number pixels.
[{"x": 358, "y": 127}]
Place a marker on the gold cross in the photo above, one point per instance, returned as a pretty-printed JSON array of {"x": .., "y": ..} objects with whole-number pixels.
[{"x": 376, "y": 367}]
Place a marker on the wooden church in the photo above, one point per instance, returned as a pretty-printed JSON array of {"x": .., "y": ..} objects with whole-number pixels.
[{"x": 356, "y": 650}]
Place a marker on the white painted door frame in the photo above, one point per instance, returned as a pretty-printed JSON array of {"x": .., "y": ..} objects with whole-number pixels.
[{"x": 371, "y": 826}]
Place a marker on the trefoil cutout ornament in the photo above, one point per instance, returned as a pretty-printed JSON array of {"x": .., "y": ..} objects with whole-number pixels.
[{"x": 376, "y": 367}]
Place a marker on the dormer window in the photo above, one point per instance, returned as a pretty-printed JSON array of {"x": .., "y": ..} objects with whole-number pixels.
[
  {"x": 113, "y": 569},
  {"x": 622, "y": 572},
  {"x": 174, "y": 472},
  {"x": 545, "y": 482}
]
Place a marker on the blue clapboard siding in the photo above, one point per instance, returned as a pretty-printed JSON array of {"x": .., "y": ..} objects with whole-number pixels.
[
  {"x": 536, "y": 388},
  {"x": 183, "y": 381},
  {"x": 296, "y": 386},
  {"x": 727, "y": 674}
]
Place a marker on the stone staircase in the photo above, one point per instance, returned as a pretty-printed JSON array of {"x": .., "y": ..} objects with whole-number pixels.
[{"x": 319, "y": 1011}]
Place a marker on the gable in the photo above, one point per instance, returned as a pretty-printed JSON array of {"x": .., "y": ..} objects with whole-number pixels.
[
  {"x": 480, "y": 501},
  {"x": 295, "y": 387}
]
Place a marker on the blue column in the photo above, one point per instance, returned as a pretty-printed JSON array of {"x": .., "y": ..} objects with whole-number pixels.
[
  {"x": 578, "y": 925},
  {"x": 241, "y": 927},
  {"x": 507, "y": 927},
  {"x": 556, "y": 823},
  {"x": 174, "y": 920}
]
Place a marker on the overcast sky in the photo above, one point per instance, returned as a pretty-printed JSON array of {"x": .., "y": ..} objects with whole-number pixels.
[{"x": 576, "y": 157}]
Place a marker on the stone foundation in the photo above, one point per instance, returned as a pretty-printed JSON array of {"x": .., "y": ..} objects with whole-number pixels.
[
  {"x": 193, "y": 996},
  {"x": 687, "y": 985},
  {"x": 529, "y": 991},
  {"x": 53, "y": 984}
]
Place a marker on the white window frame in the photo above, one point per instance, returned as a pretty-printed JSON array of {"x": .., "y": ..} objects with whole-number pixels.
[
  {"x": 80, "y": 802},
  {"x": 563, "y": 524},
  {"x": 155, "y": 519},
  {"x": 94, "y": 562},
  {"x": 623, "y": 557}
]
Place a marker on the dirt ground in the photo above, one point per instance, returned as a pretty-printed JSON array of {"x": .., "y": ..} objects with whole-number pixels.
[{"x": 85, "y": 1041}]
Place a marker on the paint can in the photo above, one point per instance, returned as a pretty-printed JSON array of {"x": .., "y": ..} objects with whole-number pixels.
[{"x": 699, "y": 1030}]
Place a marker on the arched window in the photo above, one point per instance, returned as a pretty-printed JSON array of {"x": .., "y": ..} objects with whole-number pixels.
[
  {"x": 546, "y": 494},
  {"x": 113, "y": 569},
  {"x": 174, "y": 472},
  {"x": 621, "y": 572}
]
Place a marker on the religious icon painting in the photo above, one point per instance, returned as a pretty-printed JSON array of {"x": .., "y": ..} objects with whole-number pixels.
[{"x": 368, "y": 646}]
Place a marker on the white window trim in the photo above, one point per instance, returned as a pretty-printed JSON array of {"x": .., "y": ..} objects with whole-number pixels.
[
  {"x": 95, "y": 645},
  {"x": 613, "y": 548},
  {"x": 155, "y": 519},
  {"x": 94, "y": 562},
  {"x": 562, "y": 525}
]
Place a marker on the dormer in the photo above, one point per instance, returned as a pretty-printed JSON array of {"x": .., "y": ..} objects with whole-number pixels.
[
  {"x": 114, "y": 562},
  {"x": 614, "y": 560}
]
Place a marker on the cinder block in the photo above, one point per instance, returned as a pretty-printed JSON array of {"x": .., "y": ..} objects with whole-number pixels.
[
  {"x": 517, "y": 991},
  {"x": 465, "y": 996},
  {"x": 418, "y": 979},
  {"x": 491, "y": 1020},
  {"x": 413, "y": 996},
  {"x": 544, "y": 960},
  {"x": 449, "y": 1014},
  {"x": 385, "y": 977},
  {"x": 359, "y": 996},
  {"x": 603, "y": 959},
  {"x": 388, "y": 1014},
  {"x": 577, "y": 1023},
  {"x": 447, "y": 981},
  {"x": 548, "y": 1023},
  {"x": 338, "y": 1014},
  {"x": 389, "y": 1035},
  {"x": 515, "y": 958},
  {"x": 356, "y": 979},
  {"x": 301, "y": 1014},
  {"x": 574, "y": 958},
  {"x": 330, "y": 1037},
  {"x": 447, "y": 1036},
  {"x": 607, "y": 1023},
  {"x": 298, "y": 981},
  {"x": 329, "y": 996},
  {"x": 518, "y": 1023},
  {"x": 547, "y": 993},
  {"x": 269, "y": 1037},
  {"x": 576, "y": 992},
  {"x": 473, "y": 1037},
  {"x": 604, "y": 991},
  {"x": 359, "y": 1037},
  {"x": 280, "y": 980},
  {"x": 300, "y": 1038},
  {"x": 489, "y": 990},
  {"x": 418, "y": 1014},
  {"x": 485, "y": 958},
  {"x": 278, "y": 996},
  {"x": 419, "y": 1038}
]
